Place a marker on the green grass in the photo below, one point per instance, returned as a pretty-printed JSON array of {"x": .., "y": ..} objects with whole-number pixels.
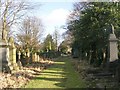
[{"x": 59, "y": 75}]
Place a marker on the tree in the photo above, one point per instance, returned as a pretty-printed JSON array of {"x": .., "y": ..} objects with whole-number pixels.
[
  {"x": 30, "y": 32},
  {"x": 56, "y": 37},
  {"x": 49, "y": 44},
  {"x": 91, "y": 27},
  {"x": 63, "y": 47},
  {"x": 11, "y": 13}
]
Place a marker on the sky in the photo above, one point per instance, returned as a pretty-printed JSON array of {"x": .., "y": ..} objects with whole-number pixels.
[{"x": 53, "y": 15}]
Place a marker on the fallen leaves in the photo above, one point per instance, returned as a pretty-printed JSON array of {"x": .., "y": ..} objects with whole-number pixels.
[{"x": 20, "y": 78}]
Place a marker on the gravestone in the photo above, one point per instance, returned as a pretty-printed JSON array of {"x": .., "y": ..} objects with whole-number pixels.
[
  {"x": 12, "y": 53},
  {"x": 19, "y": 62},
  {"x": 35, "y": 57}
]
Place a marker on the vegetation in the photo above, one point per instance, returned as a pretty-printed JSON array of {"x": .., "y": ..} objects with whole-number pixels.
[
  {"x": 12, "y": 12},
  {"x": 29, "y": 34},
  {"x": 60, "y": 75},
  {"x": 90, "y": 25}
]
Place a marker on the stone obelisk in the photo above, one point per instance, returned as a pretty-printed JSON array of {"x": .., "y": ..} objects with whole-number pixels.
[{"x": 113, "y": 48}]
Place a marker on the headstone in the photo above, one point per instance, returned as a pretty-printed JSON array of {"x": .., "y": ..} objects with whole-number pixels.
[
  {"x": 12, "y": 54},
  {"x": 38, "y": 58},
  {"x": 19, "y": 62},
  {"x": 35, "y": 57}
]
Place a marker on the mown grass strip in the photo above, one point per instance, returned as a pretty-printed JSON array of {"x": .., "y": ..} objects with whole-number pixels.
[{"x": 60, "y": 75}]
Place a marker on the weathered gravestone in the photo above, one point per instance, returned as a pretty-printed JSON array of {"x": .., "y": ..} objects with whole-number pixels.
[{"x": 12, "y": 54}]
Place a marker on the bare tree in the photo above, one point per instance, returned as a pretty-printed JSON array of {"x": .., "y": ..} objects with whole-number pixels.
[
  {"x": 11, "y": 12},
  {"x": 56, "y": 36},
  {"x": 30, "y": 33}
]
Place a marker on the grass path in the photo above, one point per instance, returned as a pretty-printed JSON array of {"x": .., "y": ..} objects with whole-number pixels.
[{"x": 59, "y": 75}]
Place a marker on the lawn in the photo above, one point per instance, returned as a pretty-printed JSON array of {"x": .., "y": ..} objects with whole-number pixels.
[{"x": 59, "y": 75}]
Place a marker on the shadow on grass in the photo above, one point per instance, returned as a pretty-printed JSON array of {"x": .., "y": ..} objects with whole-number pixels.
[
  {"x": 60, "y": 75},
  {"x": 55, "y": 73}
]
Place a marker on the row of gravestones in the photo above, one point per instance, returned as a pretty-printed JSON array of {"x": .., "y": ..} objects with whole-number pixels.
[
  {"x": 8, "y": 62},
  {"x": 29, "y": 58}
]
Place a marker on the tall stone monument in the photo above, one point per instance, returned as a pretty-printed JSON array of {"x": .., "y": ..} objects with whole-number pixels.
[
  {"x": 12, "y": 54},
  {"x": 4, "y": 58},
  {"x": 5, "y": 65},
  {"x": 112, "y": 49}
]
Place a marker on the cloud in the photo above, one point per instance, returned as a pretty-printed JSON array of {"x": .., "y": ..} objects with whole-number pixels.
[{"x": 57, "y": 17}]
